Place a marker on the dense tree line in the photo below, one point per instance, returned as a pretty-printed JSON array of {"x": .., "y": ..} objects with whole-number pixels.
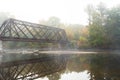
[{"x": 104, "y": 26}]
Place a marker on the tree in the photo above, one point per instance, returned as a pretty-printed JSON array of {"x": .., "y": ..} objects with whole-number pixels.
[
  {"x": 89, "y": 10},
  {"x": 113, "y": 26},
  {"x": 97, "y": 35},
  {"x": 53, "y": 21}
]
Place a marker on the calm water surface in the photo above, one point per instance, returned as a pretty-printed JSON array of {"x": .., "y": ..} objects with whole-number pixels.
[{"x": 105, "y": 66}]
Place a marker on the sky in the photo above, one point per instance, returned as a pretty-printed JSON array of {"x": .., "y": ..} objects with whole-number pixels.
[
  {"x": 69, "y": 11},
  {"x": 72, "y": 76}
]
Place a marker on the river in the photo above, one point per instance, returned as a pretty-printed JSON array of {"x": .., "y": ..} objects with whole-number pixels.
[{"x": 82, "y": 66}]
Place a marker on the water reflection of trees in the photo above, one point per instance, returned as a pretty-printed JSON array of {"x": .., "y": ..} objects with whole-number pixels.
[
  {"x": 105, "y": 67},
  {"x": 78, "y": 63},
  {"x": 99, "y": 66}
]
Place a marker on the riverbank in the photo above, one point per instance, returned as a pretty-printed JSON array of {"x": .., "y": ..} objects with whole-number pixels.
[{"x": 62, "y": 51}]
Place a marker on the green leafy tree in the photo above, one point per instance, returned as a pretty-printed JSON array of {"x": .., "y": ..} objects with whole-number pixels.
[
  {"x": 113, "y": 26},
  {"x": 97, "y": 32}
]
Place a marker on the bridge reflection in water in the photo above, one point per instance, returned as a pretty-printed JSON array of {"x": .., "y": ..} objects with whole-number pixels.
[{"x": 30, "y": 66}]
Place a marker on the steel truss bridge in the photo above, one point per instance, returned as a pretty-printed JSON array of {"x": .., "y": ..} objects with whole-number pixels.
[{"x": 17, "y": 30}]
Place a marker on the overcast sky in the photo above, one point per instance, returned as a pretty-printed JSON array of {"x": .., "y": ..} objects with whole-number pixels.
[{"x": 69, "y": 11}]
